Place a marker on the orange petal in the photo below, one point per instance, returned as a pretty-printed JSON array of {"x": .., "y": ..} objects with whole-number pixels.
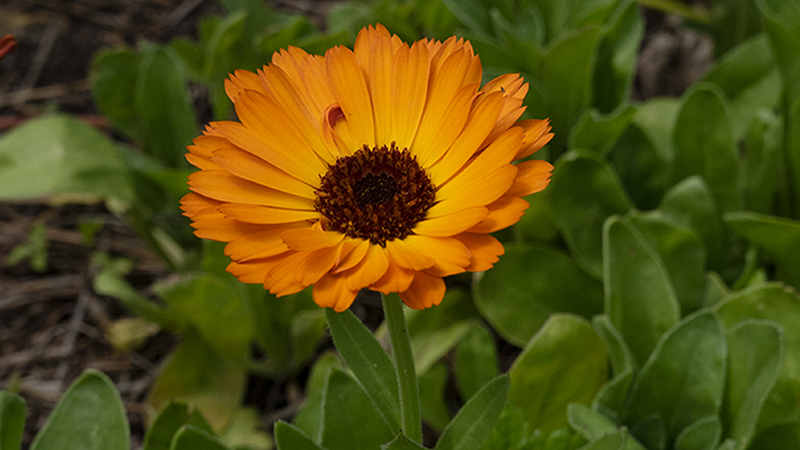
[
  {"x": 396, "y": 279},
  {"x": 469, "y": 193},
  {"x": 350, "y": 88},
  {"x": 250, "y": 272},
  {"x": 307, "y": 239},
  {"x": 410, "y": 89},
  {"x": 408, "y": 257},
  {"x": 354, "y": 256},
  {"x": 381, "y": 57},
  {"x": 451, "y": 224},
  {"x": 485, "y": 250},
  {"x": 331, "y": 291},
  {"x": 240, "y": 80},
  {"x": 502, "y": 214},
  {"x": 257, "y": 245},
  {"x": 369, "y": 270},
  {"x": 533, "y": 176},
  {"x": 424, "y": 292},
  {"x": 221, "y": 185},
  {"x": 265, "y": 214},
  {"x": 450, "y": 255},
  {"x": 245, "y": 165},
  {"x": 537, "y": 134}
]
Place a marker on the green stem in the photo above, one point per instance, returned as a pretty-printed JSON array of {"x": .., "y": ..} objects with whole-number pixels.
[{"x": 404, "y": 363}]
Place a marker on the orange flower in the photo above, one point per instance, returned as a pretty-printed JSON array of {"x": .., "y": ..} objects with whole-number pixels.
[{"x": 383, "y": 168}]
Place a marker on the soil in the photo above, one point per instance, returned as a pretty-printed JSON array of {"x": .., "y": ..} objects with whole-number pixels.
[{"x": 52, "y": 325}]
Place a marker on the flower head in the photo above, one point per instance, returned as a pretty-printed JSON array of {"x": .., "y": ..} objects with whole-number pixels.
[{"x": 384, "y": 168}]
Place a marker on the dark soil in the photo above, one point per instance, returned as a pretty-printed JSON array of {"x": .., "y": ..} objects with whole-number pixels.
[{"x": 52, "y": 325}]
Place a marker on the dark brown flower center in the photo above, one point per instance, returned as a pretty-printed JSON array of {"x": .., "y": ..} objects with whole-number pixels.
[{"x": 377, "y": 194}]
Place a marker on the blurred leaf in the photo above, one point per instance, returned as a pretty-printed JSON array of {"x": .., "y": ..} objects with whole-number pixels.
[
  {"x": 749, "y": 78},
  {"x": 475, "y": 361},
  {"x": 599, "y": 132},
  {"x": 109, "y": 282},
  {"x": 618, "y": 351},
  {"x": 34, "y": 248},
  {"x": 471, "y": 13},
  {"x": 591, "y": 424},
  {"x": 509, "y": 433},
  {"x": 754, "y": 354},
  {"x": 691, "y": 204},
  {"x": 568, "y": 357},
  {"x": 528, "y": 284},
  {"x": 470, "y": 428},
  {"x": 615, "y": 60},
  {"x": 12, "y": 420},
  {"x": 401, "y": 442},
  {"x": 192, "y": 438},
  {"x": 537, "y": 225},
  {"x": 307, "y": 328},
  {"x": 778, "y": 236},
  {"x": 732, "y": 21},
  {"x": 682, "y": 253},
  {"x": 642, "y": 169},
  {"x": 610, "y": 399},
  {"x": 781, "y": 21},
  {"x": 432, "y": 404},
  {"x": 583, "y": 193},
  {"x": 701, "y": 435},
  {"x": 779, "y": 304},
  {"x": 373, "y": 369},
  {"x": 619, "y": 440},
  {"x": 564, "y": 16},
  {"x": 289, "y": 437},
  {"x": 129, "y": 333},
  {"x": 351, "y": 421},
  {"x": 703, "y": 143},
  {"x": 309, "y": 418},
  {"x": 243, "y": 431},
  {"x": 651, "y": 431},
  {"x": 563, "y": 439},
  {"x": 784, "y": 436},
  {"x": 639, "y": 297},
  {"x": 763, "y": 146},
  {"x": 161, "y": 103},
  {"x": 684, "y": 379},
  {"x": 89, "y": 415},
  {"x": 168, "y": 422},
  {"x": 113, "y": 77},
  {"x": 59, "y": 155},
  {"x": 656, "y": 118},
  {"x": 198, "y": 375}
]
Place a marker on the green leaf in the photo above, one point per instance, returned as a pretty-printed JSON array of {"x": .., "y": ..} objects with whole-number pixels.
[
  {"x": 691, "y": 204},
  {"x": 620, "y": 355},
  {"x": 89, "y": 416},
  {"x": 12, "y": 421},
  {"x": 615, "y": 60},
  {"x": 432, "y": 404},
  {"x": 373, "y": 369},
  {"x": 754, "y": 354},
  {"x": 509, "y": 433},
  {"x": 401, "y": 442},
  {"x": 780, "y": 20},
  {"x": 619, "y": 440},
  {"x": 763, "y": 146},
  {"x": 564, "y": 16},
  {"x": 599, "y": 132},
  {"x": 640, "y": 300},
  {"x": 470, "y": 428},
  {"x": 651, "y": 432},
  {"x": 684, "y": 379},
  {"x": 471, "y": 13},
  {"x": 475, "y": 361},
  {"x": 682, "y": 253},
  {"x": 111, "y": 283},
  {"x": 732, "y": 21},
  {"x": 168, "y": 421},
  {"x": 60, "y": 155},
  {"x": 779, "y": 304},
  {"x": 113, "y": 76},
  {"x": 704, "y": 145},
  {"x": 309, "y": 418},
  {"x": 528, "y": 284},
  {"x": 656, "y": 118},
  {"x": 190, "y": 437},
  {"x": 749, "y": 78},
  {"x": 351, "y": 421},
  {"x": 568, "y": 357},
  {"x": 642, "y": 169},
  {"x": 161, "y": 103},
  {"x": 610, "y": 399},
  {"x": 701, "y": 435},
  {"x": 289, "y": 437},
  {"x": 779, "y": 237},
  {"x": 584, "y": 192},
  {"x": 784, "y": 436},
  {"x": 590, "y": 424}
]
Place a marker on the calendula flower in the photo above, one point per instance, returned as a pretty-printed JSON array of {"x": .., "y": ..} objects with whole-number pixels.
[{"x": 384, "y": 168}]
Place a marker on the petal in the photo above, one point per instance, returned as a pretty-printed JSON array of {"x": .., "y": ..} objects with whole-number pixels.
[
  {"x": 437, "y": 133},
  {"x": 369, "y": 270},
  {"x": 485, "y": 250},
  {"x": 450, "y": 255},
  {"x": 381, "y": 57},
  {"x": 451, "y": 224},
  {"x": 502, "y": 214},
  {"x": 396, "y": 279},
  {"x": 410, "y": 89},
  {"x": 331, "y": 291},
  {"x": 350, "y": 88},
  {"x": 308, "y": 239},
  {"x": 246, "y": 165},
  {"x": 353, "y": 257},
  {"x": 424, "y": 292},
  {"x": 533, "y": 176},
  {"x": 240, "y": 80},
  {"x": 265, "y": 214},
  {"x": 256, "y": 245},
  {"x": 476, "y": 192},
  {"x": 537, "y": 134},
  {"x": 221, "y": 185},
  {"x": 250, "y": 272},
  {"x": 408, "y": 257}
]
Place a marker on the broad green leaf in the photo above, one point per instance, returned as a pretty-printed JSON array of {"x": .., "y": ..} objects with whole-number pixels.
[
  {"x": 656, "y": 118},
  {"x": 781, "y": 21},
  {"x": 684, "y": 379},
  {"x": 682, "y": 253},
  {"x": 564, "y": 16},
  {"x": 584, "y": 192},
  {"x": 568, "y": 357},
  {"x": 763, "y": 146},
  {"x": 651, "y": 431},
  {"x": 691, "y": 204},
  {"x": 640, "y": 299},
  {"x": 715, "y": 290},
  {"x": 754, "y": 354},
  {"x": 168, "y": 421},
  {"x": 701, "y": 435},
  {"x": 471, "y": 13},
  {"x": 750, "y": 79},
  {"x": 373, "y": 369},
  {"x": 561, "y": 439},
  {"x": 784, "y": 436},
  {"x": 620, "y": 355},
  {"x": 351, "y": 421},
  {"x": 432, "y": 403},
  {"x": 475, "y": 361},
  {"x": 509, "y": 433},
  {"x": 162, "y": 105},
  {"x": 589, "y": 423},
  {"x": 190, "y": 437},
  {"x": 401, "y": 442},
  {"x": 642, "y": 169},
  {"x": 59, "y": 155},
  {"x": 309, "y": 418},
  {"x": 113, "y": 76},
  {"x": 243, "y": 431},
  {"x": 781, "y": 305},
  {"x": 89, "y": 416},
  {"x": 610, "y": 399},
  {"x": 619, "y": 440},
  {"x": 470, "y": 428},
  {"x": 730, "y": 444},
  {"x": 704, "y": 145},
  {"x": 615, "y": 60},
  {"x": 732, "y": 21},
  {"x": 197, "y": 374},
  {"x": 12, "y": 421},
  {"x": 528, "y": 284},
  {"x": 599, "y": 132},
  {"x": 289, "y": 437},
  {"x": 779, "y": 237}
]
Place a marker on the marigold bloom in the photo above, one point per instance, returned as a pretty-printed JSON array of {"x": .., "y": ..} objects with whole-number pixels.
[{"x": 384, "y": 167}]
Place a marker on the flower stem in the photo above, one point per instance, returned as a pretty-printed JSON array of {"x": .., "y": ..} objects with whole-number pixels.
[{"x": 404, "y": 362}]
